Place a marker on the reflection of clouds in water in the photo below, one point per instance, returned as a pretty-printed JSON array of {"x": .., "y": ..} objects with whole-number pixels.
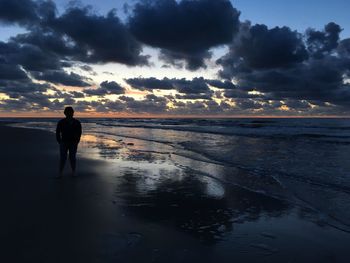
[
  {"x": 213, "y": 187},
  {"x": 109, "y": 146},
  {"x": 100, "y": 147},
  {"x": 140, "y": 156},
  {"x": 91, "y": 138},
  {"x": 197, "y": 205},
  {"x": 153, "y": 175},
  {"x": 173, "y": 190}
]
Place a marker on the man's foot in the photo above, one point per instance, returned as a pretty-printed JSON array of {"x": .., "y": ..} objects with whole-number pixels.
[{"x": 74, "y": 174}]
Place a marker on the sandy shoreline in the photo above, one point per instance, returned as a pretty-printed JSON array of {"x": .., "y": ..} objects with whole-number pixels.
[{"x": 123, "y": 212}]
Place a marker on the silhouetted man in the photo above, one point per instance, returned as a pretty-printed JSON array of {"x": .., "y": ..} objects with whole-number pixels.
[{"x": 68, "y": 134}]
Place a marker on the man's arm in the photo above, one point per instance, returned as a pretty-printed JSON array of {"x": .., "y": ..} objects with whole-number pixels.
[
  {"x": 58, "y": 132},
  {"x": 79, "y": 131}
]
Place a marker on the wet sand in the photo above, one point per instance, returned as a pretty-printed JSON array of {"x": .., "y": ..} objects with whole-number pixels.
[{"x": 135, "y": 206}]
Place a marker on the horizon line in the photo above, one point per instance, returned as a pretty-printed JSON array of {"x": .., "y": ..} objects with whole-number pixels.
[{"x": 181, "y": 117}]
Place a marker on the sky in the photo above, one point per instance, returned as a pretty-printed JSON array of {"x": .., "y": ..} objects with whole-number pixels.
[{"x": 164, "y": 58}]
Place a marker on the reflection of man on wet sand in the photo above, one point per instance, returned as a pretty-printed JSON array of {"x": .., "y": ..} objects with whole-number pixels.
[{"x": 68, "y": 134}]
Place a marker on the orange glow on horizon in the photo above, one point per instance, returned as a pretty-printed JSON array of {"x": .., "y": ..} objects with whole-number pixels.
[{"x": 154, "y": 116}]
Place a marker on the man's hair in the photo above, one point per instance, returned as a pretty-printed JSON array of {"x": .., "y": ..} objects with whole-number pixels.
[{"x": 68, "y": 111}]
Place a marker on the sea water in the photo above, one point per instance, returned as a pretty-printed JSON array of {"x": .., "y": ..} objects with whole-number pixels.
[{"x": 299, "y": 160}]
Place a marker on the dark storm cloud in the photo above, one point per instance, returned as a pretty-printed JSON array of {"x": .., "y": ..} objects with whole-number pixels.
[
  {"x": 194, "y": 61},
  {"x": 194, "y": 96},
  {"x": 54, "y": 43},
  {"x": 126, "y": 98},
  {"x": 19, "y": 87},
  {"x": 68, "y": 94},
  {"x": 186, "y": 29},
  {"x": 198, "y": 108},
  {"x": 77, "y": 35},
  {"x": 318, "y": 80},
  {"x": 244, "y": 104},
  {"x": 152, "y": 97},
  {"x": 113, "y": 87},
  {"x": 77, "y": 94},
  {"x": 194, "y": 86},
  {"x": 320, "y": 42},
  {"x": 49, "y": 42},
  {"x": 105, "y": 38},
  {"x": 111, "y": 106},
  {"x": 280, "y": 65},
  {"x": 18, "y": 11},
  {"x": 238, "y": 93},
  {"x": 106, "y": 88},
  {"x": 35, "y": 102},
  {"x": 42, "y": 63},
  {"x": 62, "y": 77},
  {"x": 151, "y": 83},
  {"x": 151, "y": 104},
  {"x": 344, "y": 47},
  {"x": 30, "y": 57},
  {"x": 221, "y": 84},
  {"x": 24, "y": 95},
  {"x": 298, "y": 104},
  {"x": 258, "y": 47},
  {"x": 11, "y": 72}
]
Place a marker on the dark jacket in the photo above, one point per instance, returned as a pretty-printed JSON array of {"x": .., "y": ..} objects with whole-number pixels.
[{"x": 68, "y": 131}]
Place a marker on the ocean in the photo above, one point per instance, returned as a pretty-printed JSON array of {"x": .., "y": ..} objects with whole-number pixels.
[{"x": 301, "y": 160}]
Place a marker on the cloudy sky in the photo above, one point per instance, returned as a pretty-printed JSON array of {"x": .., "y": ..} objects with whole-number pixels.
[{"x": 175, "y": 58}]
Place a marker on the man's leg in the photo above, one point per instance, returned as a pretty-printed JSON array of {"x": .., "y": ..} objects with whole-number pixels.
[
  {"x": 63, "y": 157},
  {"x": 72, "y": 156}
]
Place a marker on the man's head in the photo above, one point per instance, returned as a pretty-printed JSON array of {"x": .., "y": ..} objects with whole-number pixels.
[{"x": 69, "y": 112}]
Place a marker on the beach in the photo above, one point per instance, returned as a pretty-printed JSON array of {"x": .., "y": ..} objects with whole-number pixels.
[{"x": 137, "y": 200}]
